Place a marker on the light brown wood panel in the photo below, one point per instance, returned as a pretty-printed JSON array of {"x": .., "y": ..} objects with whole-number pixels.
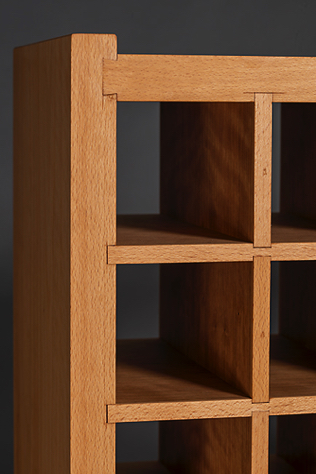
[
  {"x": 156, "y": 382},
  {"x": 93, "y": 217},
  {"x": 261, "y": 329},
  {"x": 141, "y": 468},
  {"x": 210, "y": 78},
  {"x": 206, "y": 313},
  {"x": 296, "y": 442},
  {"x": 263, "y": 170},
  {"x": 260, "y": 442},
  {"x": 41, "y": 257},
  {"x": 298, "y": 163},
  {"x": 207, "y": 165},
  {"x": 64, "y": 295},
  {"x": 292, "y": 377},
  {"x": 298, "y": 302},
  {"x": 292, "y": 228},
  {"x": 206, "y": 446}
]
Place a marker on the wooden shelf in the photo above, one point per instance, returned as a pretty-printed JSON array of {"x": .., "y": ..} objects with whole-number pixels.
[
  {"x": 159, "y": 239},
  {"x": 141, "y": 468},
  {"x": 292, "y": 378},
  {"x": 156, "y": 382},
  {"x": 292, "y": 237},
  {"x": 279, "y": 466}
]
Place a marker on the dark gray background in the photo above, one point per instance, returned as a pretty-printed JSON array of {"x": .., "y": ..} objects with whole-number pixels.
[{"x": 245, "y": 27}]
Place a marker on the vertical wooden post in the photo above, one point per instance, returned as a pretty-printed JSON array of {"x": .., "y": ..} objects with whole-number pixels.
[
  {"x": 64, "y": 292},
  {"x": 261, "y": 329},
  {"x": 260, "y": 442},
  {"x": 263, "y": 170}
]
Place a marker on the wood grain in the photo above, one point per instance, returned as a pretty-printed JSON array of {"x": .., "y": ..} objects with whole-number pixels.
[
  {"x": 260, "y": 442},
  {"x": 263, "y": 170},
  {"x": 292, "y": 377},
  {"x": 156, "y": 382},
  {"x": 296, "y": 442},
  {"x": 211, "y": 144},
  {"x": 93, "y": 217},
  {"x": 261, "y": 329},
  {"x": 204, "y": 446},
  {"x": 64, "y": 294},
  {"x": 42, "y": 257},
  {"x": 210, "y": 78},
  {"x": 199, "y": 319}
]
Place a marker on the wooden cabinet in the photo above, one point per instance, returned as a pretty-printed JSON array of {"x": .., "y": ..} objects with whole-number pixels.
[{"x": 209, "y": 379}]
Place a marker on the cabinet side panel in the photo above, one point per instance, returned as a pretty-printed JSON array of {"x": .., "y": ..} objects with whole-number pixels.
[
  {"x": 207, "y": 165},
  {"x": 296, "y": 436},
  {"x": 206, "y": 446},
  {"x": 297, "y": 302},
  {"x": 42, "y": 257},
  {"x": 298, "y": 159},
  {"x": 93, "y": 227},
  {"x": 206, "y": 313}
]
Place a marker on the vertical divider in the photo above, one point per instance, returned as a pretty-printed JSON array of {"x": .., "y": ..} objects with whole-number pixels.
[
  {"x": 93, "y": 227},
  {"x": 260, "y": 442},
  {"x": 261, "y": 329},
  {"x": 263, "y": 170}
]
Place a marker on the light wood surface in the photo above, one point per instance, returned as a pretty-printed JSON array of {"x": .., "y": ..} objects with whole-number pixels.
[
  {"x": 204, "y": 446},
  {"x": 198, "y": 318},
  {"x": 211, "y": 144},
  {"x": 261, "y": 329},
  {"x": 263, "y": 170},
  {"x": 93, "y": 214},
  {"x": 296, "y": 442},
  {"x": 260, "y": 442},
  {"x": 64, "y": 293},
  {"x": 229, "y": 78},
  {"x": 159, "y": 239},
  {"x": 156, "y": 382}
]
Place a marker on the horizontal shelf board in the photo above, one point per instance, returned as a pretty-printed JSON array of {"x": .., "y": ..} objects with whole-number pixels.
[
  {"x": 209, "y": 78},
  {"x": 156, "y": 382},
  {"x": 160, "y": 239},
  {"x": 291, "y": 229},
  {"x": 279, "y": 466},
  {"x": 292, "y": 378},
  {"x": 152, "y": 467},
  {"x": 293, "y": 237}
]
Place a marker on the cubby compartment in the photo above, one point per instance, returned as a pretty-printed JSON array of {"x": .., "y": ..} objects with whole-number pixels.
[
  {"x": 203, "y": 205},
  {"x": 188, "y": 447},
  {"x": 292, "y": 444},
  {"x": 295, "y": 221},
  {"x": 183, "y": 364},
  {"x": 293, "y": 344}
]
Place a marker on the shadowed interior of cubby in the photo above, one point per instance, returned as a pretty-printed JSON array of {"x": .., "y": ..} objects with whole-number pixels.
[
  {"x": 293, "y": 450},
  {"x": 293, "y": 343},
  {"x": 294, "y": 209},
  {"x": 188, "y": 447},
  {"x": 191, "y": 358},
  {"x": 206, "y": 175}
]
